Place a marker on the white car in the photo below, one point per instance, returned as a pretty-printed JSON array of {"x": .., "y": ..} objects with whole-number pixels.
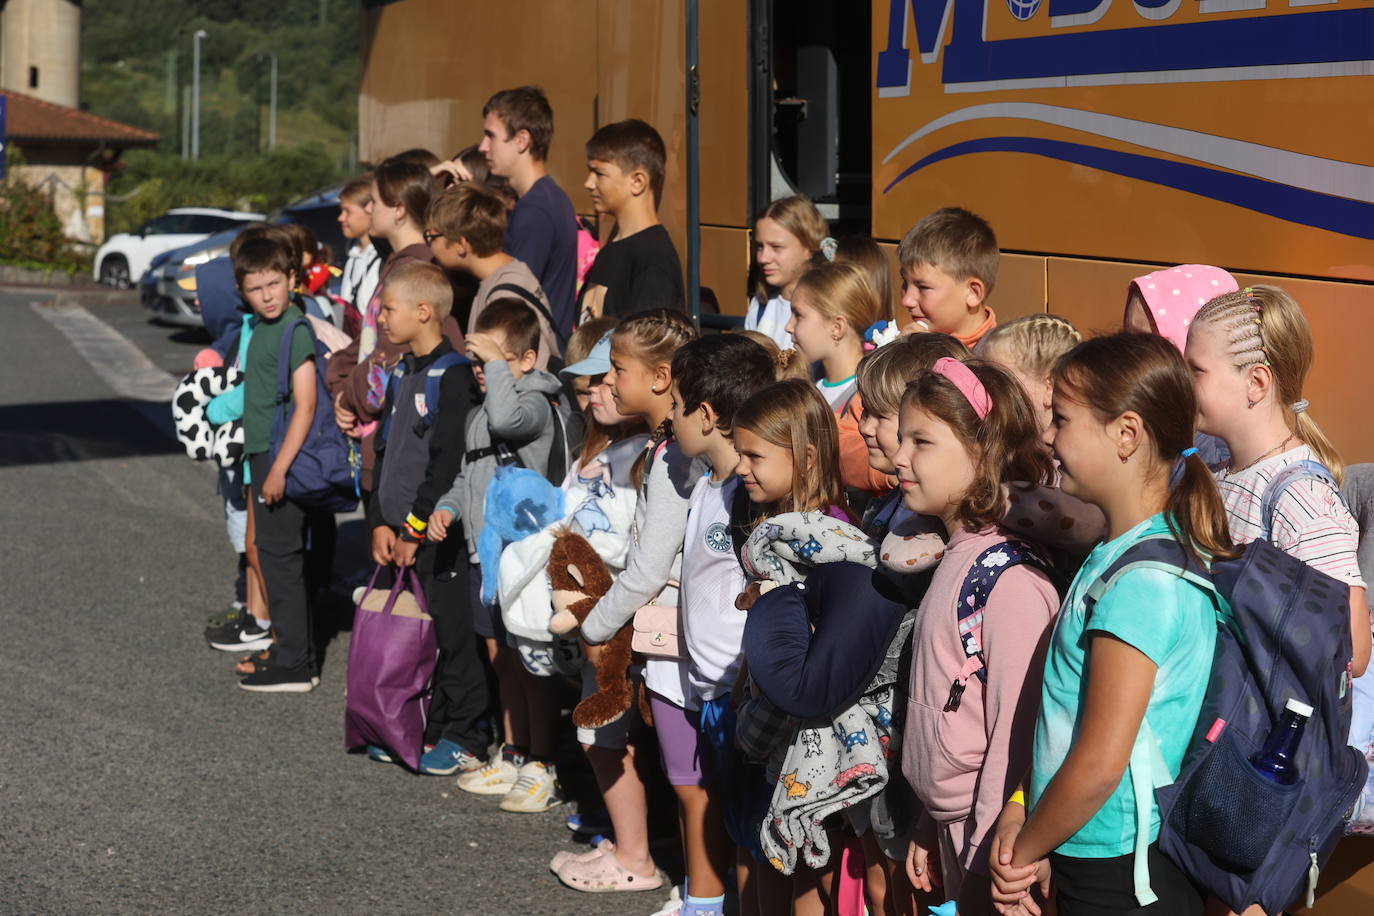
[{"x": 124, "y": 257}]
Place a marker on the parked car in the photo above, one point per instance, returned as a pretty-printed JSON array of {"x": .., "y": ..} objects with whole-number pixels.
[
  {"x": 128, "y": 254},
  {"x": 160, "y": 287}
]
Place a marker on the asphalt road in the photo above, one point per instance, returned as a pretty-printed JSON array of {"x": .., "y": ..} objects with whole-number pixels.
[{"x": 138, "y": 778}]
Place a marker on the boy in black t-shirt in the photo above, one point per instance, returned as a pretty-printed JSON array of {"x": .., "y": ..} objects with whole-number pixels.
[{"x": 639, "y": 269}]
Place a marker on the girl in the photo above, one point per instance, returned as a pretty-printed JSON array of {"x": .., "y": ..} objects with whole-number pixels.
[
  {"x": 1250, "y": 352},
  {"x": 1166, "y": 302},
  {"x": 640, "y": 381},
  {"x": 862, "y": 250},
  {"x": 786, "y": 363},
  {"x": 788, "y": 239},
  {"x": 1123, "y": 428},
  {"x": 966, "y": 430},
  {"x": 832, "y": 307},
  {"x": 1028, "y": 347}
]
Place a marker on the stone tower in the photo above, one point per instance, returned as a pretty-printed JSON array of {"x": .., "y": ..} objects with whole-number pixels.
[{"x": 40, "y": 49}]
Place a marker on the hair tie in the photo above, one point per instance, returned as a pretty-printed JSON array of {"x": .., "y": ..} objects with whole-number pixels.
[
  {"x": 828, "y": 248},
  {"x": 1300, "y": 406},
  {"x": 881, "y": 333},
  {"x": 1187, "y": 453},
  {"x": 967, "y": 383},
  {"x": 783, "y": 358}
]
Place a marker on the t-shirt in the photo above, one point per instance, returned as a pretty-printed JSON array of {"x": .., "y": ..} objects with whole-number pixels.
[
  {"x": 516, "y": 273},
  {"x": 260, "y": 375},
  {"x": 770, "y": 318},
  {"x": 837, "y": 393},
  {"x": 639, "y": 272},
  {"x": 1167, "y": 618},
  {"x": 542, "y": 232},
  {"x": 1310, "y": 521},
  {"x": 712, "y": 627}
]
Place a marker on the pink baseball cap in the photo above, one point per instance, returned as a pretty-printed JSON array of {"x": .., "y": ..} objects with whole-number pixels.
[{"x": 1175, "y": 294}]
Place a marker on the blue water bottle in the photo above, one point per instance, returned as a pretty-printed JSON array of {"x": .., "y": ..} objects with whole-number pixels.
[{"x": 1275, "y": 761}]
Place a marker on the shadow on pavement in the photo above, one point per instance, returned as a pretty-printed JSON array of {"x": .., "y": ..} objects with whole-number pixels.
[{"x": 83, "y": 431}]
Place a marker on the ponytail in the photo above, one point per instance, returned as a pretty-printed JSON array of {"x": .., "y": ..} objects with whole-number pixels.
[{"x": 1195, "y": 512}]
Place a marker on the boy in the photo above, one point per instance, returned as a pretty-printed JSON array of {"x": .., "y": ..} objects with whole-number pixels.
[
  {"x": 949, "y": 266},
  {"x": 515, "y": 424},
  {"x": 364, "y": 262},
  {"x": 265, "y": 269},
  {"x": 418, "y": 455},
  {"x": 639, "y": 268},
  {"x": 517, "y": 128},
  {"x": 466, "y": 228}
]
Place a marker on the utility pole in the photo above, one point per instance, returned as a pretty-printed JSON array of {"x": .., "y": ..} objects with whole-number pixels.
[
  {"x": 195, "y": 94},
  {"x": 272, "y": 107}
]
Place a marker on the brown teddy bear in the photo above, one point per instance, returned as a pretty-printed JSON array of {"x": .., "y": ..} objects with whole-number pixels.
[{"x": 579, "y": 578}]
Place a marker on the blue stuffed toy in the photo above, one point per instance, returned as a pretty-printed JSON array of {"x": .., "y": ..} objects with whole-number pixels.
[{"x": 519, "y": 503}]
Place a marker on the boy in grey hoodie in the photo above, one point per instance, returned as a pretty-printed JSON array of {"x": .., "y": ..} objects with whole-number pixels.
[{"x": 514, "y": 425}]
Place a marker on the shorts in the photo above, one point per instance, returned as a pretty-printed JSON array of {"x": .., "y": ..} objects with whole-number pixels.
[
  {"x": 1106, "y": 887},
  {"x": 680, "y": 743},
  {"x": 616, "y": 735},
  {"x": 537, "y": 657},
  {"x": 486, "y": 618}
]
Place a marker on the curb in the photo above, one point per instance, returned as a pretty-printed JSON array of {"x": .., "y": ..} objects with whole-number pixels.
[{"x": 10, "y": 274}]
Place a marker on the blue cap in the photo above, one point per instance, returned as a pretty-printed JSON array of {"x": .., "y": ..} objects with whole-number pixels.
[{"x": 598, "y": 362}]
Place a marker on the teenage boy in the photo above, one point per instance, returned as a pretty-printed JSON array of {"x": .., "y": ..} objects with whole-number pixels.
[
  {"x": 949, "y": 266},
  {"x": 639, "y": 268},
  {"x": 517, "y": 128},
  {"x": 465, "y": 228},
  {"x": 265, "y": 270},
  {"x": 418, "y": 455},
  {"x": 364, "y": 261}
]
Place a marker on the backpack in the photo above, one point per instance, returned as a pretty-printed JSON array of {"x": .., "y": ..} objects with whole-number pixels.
[
  {"x": 560, "y": 455},
  {"x": 434, "y": 377},
  {"x": 324, "y": 475},
  {"x": 1237, "y": 835}
]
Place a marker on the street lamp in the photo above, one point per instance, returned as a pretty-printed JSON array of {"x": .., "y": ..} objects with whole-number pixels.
[{"x": 195, "y": 93}]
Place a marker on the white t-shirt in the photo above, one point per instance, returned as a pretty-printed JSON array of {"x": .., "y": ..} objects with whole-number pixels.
[
  {"x": 1310, "y": 521},
  {"x": 770, "y": 318},
  {"x": 359, "y": 280},
  {"x": 712, "y": 627}
]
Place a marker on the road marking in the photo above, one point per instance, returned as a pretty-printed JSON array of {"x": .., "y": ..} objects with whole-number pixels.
[{"x": 120, "y": 364}]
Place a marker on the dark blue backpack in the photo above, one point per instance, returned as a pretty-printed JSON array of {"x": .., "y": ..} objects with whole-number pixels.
[
  {"x": 324, "y": 475},
  {"x": 1283, "y": 632}
]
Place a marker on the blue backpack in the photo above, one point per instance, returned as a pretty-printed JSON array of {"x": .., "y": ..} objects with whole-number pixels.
[
  {"x": 325, "y": 474},
  {"x": 1283, "y": 632},
  {"x": 434, "y": 378}
]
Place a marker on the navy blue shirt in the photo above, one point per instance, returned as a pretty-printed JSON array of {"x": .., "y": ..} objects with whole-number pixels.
[{"x": 542, "y": 232}]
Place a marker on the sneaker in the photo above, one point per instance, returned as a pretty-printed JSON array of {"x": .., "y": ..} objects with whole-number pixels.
[
  {"x": 449, "y": 757},
  {"x": 589, "y": 823},
  {"x": 535, "y": 790},
  {"x": 248, "y": 637},
  {"x": 379, "y": 754},
  {"x": 279, "y": 680},
  {"x": 226, "y": 623},
  {"x": 496, "y": 778},
  {"x": 674, "y": 905}
]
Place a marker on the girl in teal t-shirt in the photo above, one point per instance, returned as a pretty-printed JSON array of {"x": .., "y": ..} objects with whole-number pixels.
[{"x": 1123, "y": 686}]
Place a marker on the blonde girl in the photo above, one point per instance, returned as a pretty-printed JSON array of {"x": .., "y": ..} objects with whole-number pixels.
[
  {"x": 1028, "y": 347},
  {"x": 789, "y": 236}
]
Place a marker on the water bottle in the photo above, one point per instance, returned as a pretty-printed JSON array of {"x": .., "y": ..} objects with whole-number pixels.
[{"x": 1275, "y": 761}]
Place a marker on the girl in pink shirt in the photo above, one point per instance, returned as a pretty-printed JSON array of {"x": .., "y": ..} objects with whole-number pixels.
[{"x": 965, "y": 430}]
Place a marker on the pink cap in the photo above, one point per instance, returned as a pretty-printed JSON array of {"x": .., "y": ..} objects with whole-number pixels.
[{"x": 1175, "y": 294}]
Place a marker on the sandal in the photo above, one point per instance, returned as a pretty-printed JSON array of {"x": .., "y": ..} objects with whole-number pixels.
[
  {"x": 605, "y": 847},
  {"x": 253, "y": 662},
  {"x": 605, "y": 874}
]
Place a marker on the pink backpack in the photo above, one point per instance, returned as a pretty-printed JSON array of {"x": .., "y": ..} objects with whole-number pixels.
[{"x": 587, "y": 247}]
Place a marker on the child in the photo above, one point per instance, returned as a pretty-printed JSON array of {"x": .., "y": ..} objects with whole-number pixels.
[
  {"x": 514, "y": 425},
  {"x": 1166, "y": 302},
  {"x": 1028, "y": 347},
  {"x": 966, "y": 430},
  {"x": 517, "y": 128},
  {"x": 265, "y": 270},
  {"x": 641, "y": 379},
  {"x": 417, "y": 457},
  {"x": 364, "y": 262},
  {"x": 1250, "y": 352},
  {"x": 1123, "y": 429},
  {"x": 466, "y": 228},
  {"x": 832, "y": 306},
  {"x": 862, "y": 250},
  {"x": 949, "y": 266},
  {"x": 639, "y": 268},
  {"x": 788, "y": 237},
  {"x": 711, "y": 378}
]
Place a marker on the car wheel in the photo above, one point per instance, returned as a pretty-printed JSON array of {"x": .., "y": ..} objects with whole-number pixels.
[{"x": 114, "y": 271}]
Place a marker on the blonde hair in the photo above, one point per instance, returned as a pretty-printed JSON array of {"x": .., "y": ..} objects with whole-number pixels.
[
  {"x": 792, "y": 414},
  {"x": 953, "y": 240},
  {"x": 1265, "y": 325},
  {"x": 885, "y": 373},
  {"x": 862, "y": 250},
  {"x": 843, "y": 290},
  {"x": 421, "y": 281},
  {"x": 798, "y": 216},
  {"x": 1031, "y": 343},
  {"x": 653, "y": 337},
  {"x": 786, "y": 363}
]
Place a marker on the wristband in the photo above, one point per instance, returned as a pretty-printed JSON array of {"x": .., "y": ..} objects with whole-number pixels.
[
  {"x": 410, "y": 534},
  {"x": 1018, "y": 798},
  {"x": 415, "y": 522}
]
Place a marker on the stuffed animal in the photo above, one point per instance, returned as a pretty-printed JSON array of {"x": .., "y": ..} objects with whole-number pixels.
[
  {"x": 196, "y": 390},
  {"x": 519, "y": 502},
  {"x": 579, "y": 578}
]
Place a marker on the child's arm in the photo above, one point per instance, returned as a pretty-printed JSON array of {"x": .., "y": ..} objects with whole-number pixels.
[
  {"x": 302, "y": 415},
  {"x": 516, "y": 415}
]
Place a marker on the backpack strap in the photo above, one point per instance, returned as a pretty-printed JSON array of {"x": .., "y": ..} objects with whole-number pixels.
[
  {"x": 1157, "y": 551},
  {"x": 284, "y": 358},
  {"x": 536, "y": 304},
  {"x": 1307, "y": 469},
  {"x": 1148, "y": 771},
  {"x": 978, "y": 584}
]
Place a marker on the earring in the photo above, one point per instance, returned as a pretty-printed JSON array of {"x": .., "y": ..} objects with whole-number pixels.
[
  {"x": 1124, "y": 458},
  {"x": 1250, "y": 405}
]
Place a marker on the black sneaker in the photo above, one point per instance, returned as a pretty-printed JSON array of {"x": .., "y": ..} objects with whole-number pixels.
[
  {"x": 247, "y": 637},
  {"x": 280, "y": 680},
  {"x": 217, "y": 627}
]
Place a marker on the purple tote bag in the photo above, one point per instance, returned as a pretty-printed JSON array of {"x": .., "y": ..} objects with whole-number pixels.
[{"x": 391, "y": 660}]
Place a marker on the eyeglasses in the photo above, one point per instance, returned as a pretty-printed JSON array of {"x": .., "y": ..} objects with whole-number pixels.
[{"x": 430, "y": 236}]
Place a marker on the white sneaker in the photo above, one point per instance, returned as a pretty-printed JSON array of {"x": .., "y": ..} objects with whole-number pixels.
[
  {"x": 674, "y": 905},
  {"x": 536, "y": 789},
  {"x": 496, "y": 778}
]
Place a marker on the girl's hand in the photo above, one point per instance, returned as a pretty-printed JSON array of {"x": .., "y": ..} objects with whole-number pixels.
[
  {"x": 919, "y": 866},
  {"x": 1009, "y": 884},
  {"x": 438, "y": 525}
]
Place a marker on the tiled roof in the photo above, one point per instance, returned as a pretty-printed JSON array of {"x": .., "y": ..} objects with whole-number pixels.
[{"x": 29, "y": 118}]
